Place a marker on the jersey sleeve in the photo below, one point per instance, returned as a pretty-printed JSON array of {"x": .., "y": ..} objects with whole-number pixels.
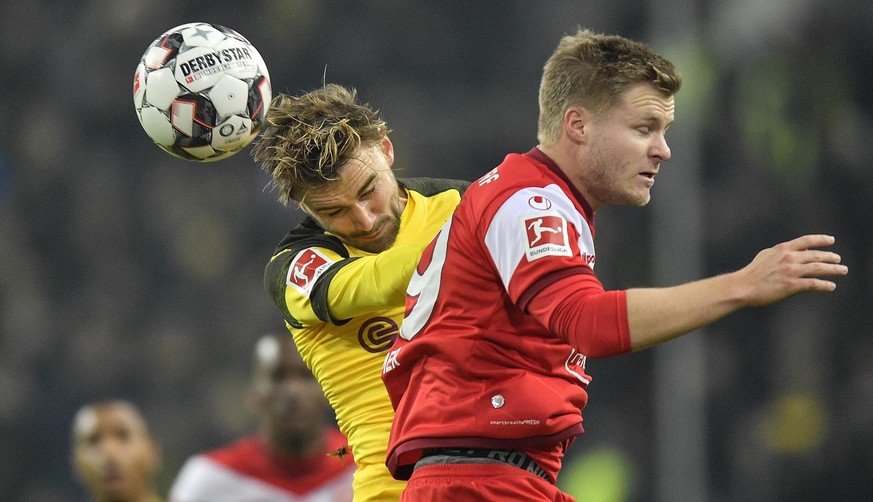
[
  {"x": 369, "y": 283},
  {"x": 579, "y": 311},
  {"x": 535, "y": 238},
  {"x": 317, "y": 284}
]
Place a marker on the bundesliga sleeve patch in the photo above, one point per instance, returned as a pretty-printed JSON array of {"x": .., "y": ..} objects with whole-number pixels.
[
  {"x": 306, "y": 268},
  {"x": 546, "y": 236}
]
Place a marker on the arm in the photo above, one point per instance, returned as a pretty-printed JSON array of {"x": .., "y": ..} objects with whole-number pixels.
[
  {"x": 374, "y": 282},
  {"x": 605, "y": 323},
  {"x": 656, "y": 315}
]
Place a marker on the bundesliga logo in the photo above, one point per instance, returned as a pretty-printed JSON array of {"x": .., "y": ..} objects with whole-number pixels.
[
  {"x": 546, "y": 236},
  {"x": 306, "y": 268}
]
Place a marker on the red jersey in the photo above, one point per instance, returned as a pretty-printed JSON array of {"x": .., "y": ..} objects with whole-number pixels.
[
  {"x": 248, "y": 470},
  {"x": 473, "y": 367}
]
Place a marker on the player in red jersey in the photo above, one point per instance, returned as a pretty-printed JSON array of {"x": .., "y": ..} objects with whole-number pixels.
[
  {"x": 292, "y": 459},
  {"x": 488, "y": 377}
]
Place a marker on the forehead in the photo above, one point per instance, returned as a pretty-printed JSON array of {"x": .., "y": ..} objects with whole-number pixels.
[
  {"x": 95, "y": 420},
  {"x": 281, "y": 353},
  {"x": 353, "y": 176},
  {"x": 644, "y": 101}
]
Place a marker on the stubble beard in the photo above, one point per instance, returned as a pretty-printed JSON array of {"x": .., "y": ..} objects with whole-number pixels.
[
  {"x": 601, "y": 184},
  {"x": 391, "y": 223}
]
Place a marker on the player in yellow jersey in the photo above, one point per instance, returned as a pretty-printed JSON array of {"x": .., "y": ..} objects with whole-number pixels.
[{"x": 339, "y": 278}]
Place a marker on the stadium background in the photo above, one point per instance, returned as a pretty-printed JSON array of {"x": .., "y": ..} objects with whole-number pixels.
[{"x": 125, "y": 272}]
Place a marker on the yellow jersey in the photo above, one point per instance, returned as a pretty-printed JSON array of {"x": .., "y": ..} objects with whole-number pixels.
[{"x": 344, "y": 306}]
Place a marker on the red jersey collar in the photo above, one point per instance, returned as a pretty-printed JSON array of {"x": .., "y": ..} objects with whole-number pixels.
[{"x": 544, "y": 159}]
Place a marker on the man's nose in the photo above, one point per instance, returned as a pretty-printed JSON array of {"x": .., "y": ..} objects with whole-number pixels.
[
  {"x": 661, "y": 150},
  {"x": 363, "y": 217}
]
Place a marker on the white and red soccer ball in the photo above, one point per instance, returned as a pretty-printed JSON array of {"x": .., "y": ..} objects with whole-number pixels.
[{"x": 201, "y": 92}]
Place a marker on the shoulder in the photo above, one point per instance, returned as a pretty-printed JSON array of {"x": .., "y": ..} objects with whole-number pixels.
[
  {"x": 517, "y": 172},
  {"x": 430, "y": 187},
  {"x": 240, "y": 451},
  {"x": 205, "y": 477},
  {"x": 308, "y": 234}
]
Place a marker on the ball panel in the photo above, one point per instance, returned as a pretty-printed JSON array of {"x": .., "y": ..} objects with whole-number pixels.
[
  {"x": 156, "y": 56},
  {"x": 201, "y": 35},
  {"x": 157, "y": 126},
  {"x": 262, "y": 66},
  {"x": 194, "y": 116},
  {"x": 161, "y": 88},
  {"x": 229, "y": 96},
  {"x": 138, "y": 86},
  {"x": 260, "y": 95},
  {"x": 198, "y": 68},
  {"x": 232, "y": 134},
  {"x": 238, "y": 59},
  {"x": 178, "y": 29},
  {"x": 182, "y": 116},
  {"x": 199, "y": 152}
]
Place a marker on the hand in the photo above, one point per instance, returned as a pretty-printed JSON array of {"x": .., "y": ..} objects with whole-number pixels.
[{"x": 790, "y": 268}]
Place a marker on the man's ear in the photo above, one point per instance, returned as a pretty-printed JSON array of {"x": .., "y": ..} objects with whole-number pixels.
[
  {"x": 387, "y": 149},
  {"x": 577, "y": 124}
]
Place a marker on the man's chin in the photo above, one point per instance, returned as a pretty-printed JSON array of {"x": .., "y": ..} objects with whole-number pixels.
[
  {"x": 376, "y": 245},
  {"x": 116, "y": 491}
]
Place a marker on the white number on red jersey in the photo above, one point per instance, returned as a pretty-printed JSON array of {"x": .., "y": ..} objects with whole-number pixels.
[{"x": 424, "y": 287}]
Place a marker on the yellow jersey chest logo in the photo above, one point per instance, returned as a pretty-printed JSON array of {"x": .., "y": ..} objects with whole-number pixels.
[{"x": 377, "y": 334}]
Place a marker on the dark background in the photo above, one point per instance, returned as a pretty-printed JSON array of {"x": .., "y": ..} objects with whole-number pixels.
[{"x": 125, "y": 272}]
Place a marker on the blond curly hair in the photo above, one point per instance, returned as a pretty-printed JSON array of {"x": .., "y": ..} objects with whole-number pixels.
[{"x": 310, "y": 137}]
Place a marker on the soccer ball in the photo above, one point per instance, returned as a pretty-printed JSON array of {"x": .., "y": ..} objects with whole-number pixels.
[{"x": 201, "y": 92}]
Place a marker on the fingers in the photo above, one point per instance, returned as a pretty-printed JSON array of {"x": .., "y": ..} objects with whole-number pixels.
[
  {"x": 817, "y": 262},
  {"x": 813, "y": 284},
  {"x": 820, "y": 269},
  {"x": 811, "y": 241},
  {"x": 792, "y": 267},
  {"x": 812, "y": 255}
]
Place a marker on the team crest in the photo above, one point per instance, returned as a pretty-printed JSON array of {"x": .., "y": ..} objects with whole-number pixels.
[
  {"x": 546, "y": 236},
  {"x": 378, "y": 334},
  {"x": 305, "y": 269}
]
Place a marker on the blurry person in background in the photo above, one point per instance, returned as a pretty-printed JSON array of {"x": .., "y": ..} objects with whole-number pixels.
[
  {"x": 339, "y": 278},
  {"x": 297, "y": 455},
  {"x": 113, "y": 452}
]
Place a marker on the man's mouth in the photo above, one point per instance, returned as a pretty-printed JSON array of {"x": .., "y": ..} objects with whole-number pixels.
[{"x": 374, "y": 234}]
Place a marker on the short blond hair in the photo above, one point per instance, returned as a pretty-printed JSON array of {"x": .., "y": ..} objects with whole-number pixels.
[
  {"x": 310, "y": 137},
  {"x": 593, "y": 70}
]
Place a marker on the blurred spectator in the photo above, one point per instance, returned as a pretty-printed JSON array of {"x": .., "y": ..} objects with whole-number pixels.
[
  {"x": 293, "y": 457},
  {"x": 114, "y": 453}
]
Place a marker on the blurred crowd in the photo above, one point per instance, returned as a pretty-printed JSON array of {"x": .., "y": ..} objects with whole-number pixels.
[{"x": 127, "y": 273}]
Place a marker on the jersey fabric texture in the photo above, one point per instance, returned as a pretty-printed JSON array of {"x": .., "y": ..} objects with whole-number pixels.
[
  {"x": 344, "y": 306},
  {"x": 479, "y": 483},
  {"x": 247, "y": 471},
  {"x": 474, "y": 367}
]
